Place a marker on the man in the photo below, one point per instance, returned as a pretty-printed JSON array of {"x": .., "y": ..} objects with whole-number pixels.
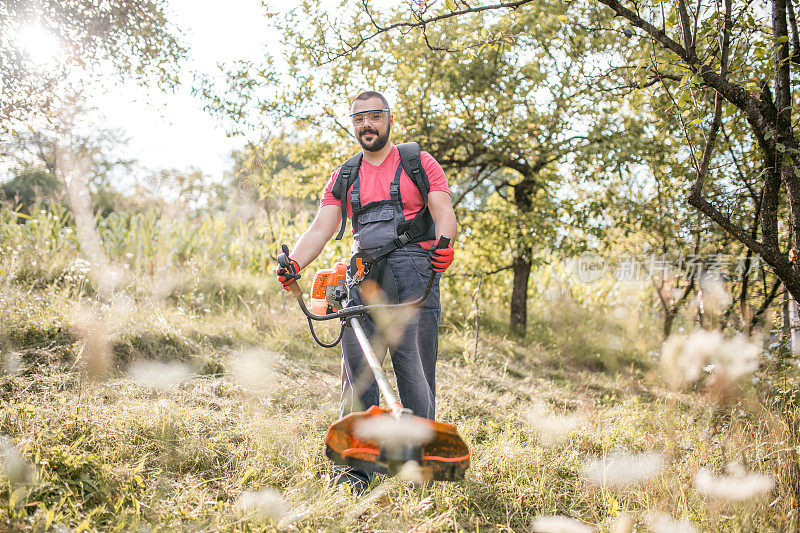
[{"x": 385, "y": 200}]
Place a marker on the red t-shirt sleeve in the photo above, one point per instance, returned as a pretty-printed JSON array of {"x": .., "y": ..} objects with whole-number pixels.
[
  {"x": 433, "y": 169},
  {"x": 327, "y": 194}
]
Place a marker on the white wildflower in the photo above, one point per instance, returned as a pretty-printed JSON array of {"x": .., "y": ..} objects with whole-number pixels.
[
  {"x": 552, "y": 429},
  {"x": 714, "y": 296},
  {"x": 735, "y": 488},
  {"x": 624, "y": 523},
  {"x": 266, "y": 503},
  {"x": 736, "y": 357},
  {"x": 664, "y": 523},
  {"x": 96, "y": 356},
  {"x": 158, "y": 375},
  {"x": 14, "y": 467},
  {"x": 386, "y": 430},
  {"x": 624, "y": 469},
  {"x": 683, "y": 359},
  {"x": 252, "y": 369},
  {"x": 12, "y": 363},
  {"x": 411, "y": 472},
  {"x": 559, "y": 524}
]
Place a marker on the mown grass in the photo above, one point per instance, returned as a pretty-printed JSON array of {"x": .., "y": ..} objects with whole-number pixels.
[{"x": 110, "y": 454}]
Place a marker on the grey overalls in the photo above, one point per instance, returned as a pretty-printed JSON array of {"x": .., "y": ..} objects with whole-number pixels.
[{"x": 403, "y": 276}]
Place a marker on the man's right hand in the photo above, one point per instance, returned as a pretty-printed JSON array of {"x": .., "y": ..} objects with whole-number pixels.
[{"x": 288, "y": 274}]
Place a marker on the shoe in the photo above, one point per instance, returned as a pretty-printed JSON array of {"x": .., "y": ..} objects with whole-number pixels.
[{"x": 356, "y": 481}]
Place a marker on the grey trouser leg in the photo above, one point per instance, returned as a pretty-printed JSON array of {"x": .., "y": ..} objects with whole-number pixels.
[{"x": 405, "y": 274}]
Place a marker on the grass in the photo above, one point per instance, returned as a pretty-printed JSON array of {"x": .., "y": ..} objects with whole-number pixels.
[{"x": 110, "y": 454}]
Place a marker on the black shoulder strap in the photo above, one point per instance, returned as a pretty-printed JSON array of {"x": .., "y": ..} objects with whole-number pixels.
[
  {"x": 347, "y": 175},
  {"x": 412, "y": 165}
]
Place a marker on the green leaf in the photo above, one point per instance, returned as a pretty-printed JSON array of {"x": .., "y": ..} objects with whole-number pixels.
[
  {"x": 769, "y": 134},
  {"x": 17, "y": 497},
  {"x": 451, "y": 5}
]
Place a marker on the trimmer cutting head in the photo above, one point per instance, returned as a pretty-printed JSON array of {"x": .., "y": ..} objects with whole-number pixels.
[{"x": 375, "y": 440}]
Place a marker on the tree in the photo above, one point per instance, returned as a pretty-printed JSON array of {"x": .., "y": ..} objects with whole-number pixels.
[
  {"x": 724, "y": 52},
  {"x": 35, "y": 153},
  {"x": 31, "y": 185},
  {"x": 50, "y": 45},
  {"x": 503, "y": 119}
]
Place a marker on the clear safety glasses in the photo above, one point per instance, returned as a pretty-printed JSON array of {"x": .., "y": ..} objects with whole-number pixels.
[{"x": 373, "y": 115}]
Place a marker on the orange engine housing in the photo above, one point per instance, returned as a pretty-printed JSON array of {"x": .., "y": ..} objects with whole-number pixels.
[{"x": 326, "y": 282}]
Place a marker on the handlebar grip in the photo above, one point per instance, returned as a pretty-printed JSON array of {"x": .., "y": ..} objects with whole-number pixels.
[
  {"x": 283, "y": 258},
  {"x": 443, "y": 243}
]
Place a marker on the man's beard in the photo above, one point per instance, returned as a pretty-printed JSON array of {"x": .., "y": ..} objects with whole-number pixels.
[{"x": 377, "y": 143}]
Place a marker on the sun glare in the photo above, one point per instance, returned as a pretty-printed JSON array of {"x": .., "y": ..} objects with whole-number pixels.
[{"x": 39, "y": 44}]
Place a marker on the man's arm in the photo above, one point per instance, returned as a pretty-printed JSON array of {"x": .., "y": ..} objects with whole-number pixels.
[
  {"x": 443, "y": 215},
  {"x": 311, "y": 243}
]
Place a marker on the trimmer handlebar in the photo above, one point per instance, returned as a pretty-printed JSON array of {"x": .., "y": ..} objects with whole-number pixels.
[
  {"x": 285, "y": 262},
  {"x": 359, "y": 310}
]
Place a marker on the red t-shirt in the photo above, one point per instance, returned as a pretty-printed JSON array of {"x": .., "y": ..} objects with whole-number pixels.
[{"x": 376, "y": 180}]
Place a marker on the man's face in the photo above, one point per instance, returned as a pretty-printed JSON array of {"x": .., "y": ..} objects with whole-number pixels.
[{"x": 371, "y": 133}]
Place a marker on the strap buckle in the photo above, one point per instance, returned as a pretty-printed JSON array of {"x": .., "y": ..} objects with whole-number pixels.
[{"x": 402, "y": 240}]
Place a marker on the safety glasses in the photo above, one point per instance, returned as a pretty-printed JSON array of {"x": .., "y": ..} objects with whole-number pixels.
[{"x": 373, "y": 115}]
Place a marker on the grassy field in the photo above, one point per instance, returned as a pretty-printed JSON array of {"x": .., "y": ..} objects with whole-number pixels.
[{"x": 193, "y": 398}]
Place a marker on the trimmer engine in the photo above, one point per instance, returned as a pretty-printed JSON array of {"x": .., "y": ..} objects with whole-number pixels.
[{"x": 329, "y": 289}]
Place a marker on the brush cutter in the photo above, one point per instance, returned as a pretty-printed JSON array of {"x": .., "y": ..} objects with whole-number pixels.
[{"x": 378, "y": 440}]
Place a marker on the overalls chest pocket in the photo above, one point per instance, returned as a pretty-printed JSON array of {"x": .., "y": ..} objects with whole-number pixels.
[{"x": 376, "y": 226}]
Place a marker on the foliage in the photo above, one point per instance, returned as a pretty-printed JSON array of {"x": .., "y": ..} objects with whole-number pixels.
[
  {"x": 31, "y": 185},
  {"x": 80, "y": 38}
]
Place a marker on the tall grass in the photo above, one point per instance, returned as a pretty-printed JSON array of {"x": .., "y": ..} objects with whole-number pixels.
[{"x": 229, "y": 437}]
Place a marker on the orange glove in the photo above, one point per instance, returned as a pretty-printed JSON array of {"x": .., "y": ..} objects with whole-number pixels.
[
  {"x": 286, "y": 275},
  {"x": 441, "y": 256}
]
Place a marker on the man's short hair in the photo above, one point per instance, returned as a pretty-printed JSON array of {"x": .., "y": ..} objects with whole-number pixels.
[{"x": 366, "y": 95}]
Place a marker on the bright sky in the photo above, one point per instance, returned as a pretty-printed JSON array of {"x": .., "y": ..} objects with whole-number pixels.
[{"x": 172, "y": 130}]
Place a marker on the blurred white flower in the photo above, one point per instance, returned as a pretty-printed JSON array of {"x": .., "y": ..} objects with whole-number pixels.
[
  {"x": 15, "y": 468},
  {"x": 386, "y": 430},
  {"x": 736, "y": 357},
  {"x": 123, "y": 305},
  {"x": 12, "y": 363},
  {"x": 252, "y": 369},
  {"x": 620, "y": 469},
  {"x": 266, "y": 503},
  {"x": 247, "y": 211},
  {"x": 736, "y": 488},
  {"x": 158, "y": 375},
  {"x": 683, "y": 359},
  {"x": 411, "y": 472},
  {"x": 559, "y": 524},
  {"x": 624, "y": 523},
  {"x": 714, "y": 296},
  {"x": 96, "y": 356},
  {"x": 165, "y": 283},
  {"x": 552, "y": 429},
  {"x": 664, "y": 523}
]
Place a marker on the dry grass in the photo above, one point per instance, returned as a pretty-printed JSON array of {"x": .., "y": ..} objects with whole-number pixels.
[{"x": 213, "y": 448}]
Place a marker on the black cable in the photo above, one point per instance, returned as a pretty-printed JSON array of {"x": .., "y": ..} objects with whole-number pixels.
[{"x": 323, "y": 344}]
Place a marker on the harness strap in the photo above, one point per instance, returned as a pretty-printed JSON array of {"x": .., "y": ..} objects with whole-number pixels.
[
  {"x": 417, "y": 227},
  {"x": 347, "y": 175},
  {"x": 412, "y": 164}
]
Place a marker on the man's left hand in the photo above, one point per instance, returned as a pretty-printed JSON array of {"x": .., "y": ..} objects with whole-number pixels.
[{"x": 441, "y": 258}]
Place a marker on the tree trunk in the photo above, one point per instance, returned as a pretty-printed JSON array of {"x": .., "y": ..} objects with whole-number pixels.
[
  {"x": 519, "y": 291},
  {"x": 669, "y": 319}
]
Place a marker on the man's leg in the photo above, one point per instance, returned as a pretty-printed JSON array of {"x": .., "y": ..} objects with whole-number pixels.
[{"x": 414, "y": 359}]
